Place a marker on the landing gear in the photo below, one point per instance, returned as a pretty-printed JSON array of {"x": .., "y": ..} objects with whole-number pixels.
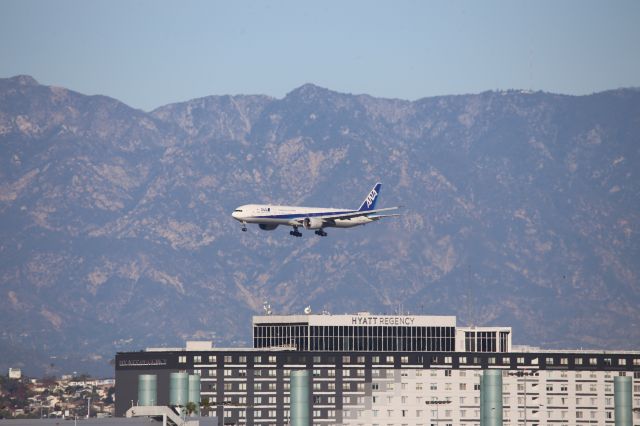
[
  {"x": 244, "y": 226},
  {"x": 295, "y": 232},
  {"x": 321, "y": 233}
]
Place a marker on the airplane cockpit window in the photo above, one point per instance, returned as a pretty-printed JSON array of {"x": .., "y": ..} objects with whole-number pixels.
[{"x": 238, "y": 210}]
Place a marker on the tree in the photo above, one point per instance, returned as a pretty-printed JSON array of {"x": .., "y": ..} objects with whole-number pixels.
[
  {"x": 205, "y": 403},
  {"x": 190, "y": 407}
]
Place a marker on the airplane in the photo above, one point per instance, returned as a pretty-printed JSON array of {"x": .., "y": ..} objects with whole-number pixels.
[{"x": 269, "y": 217}]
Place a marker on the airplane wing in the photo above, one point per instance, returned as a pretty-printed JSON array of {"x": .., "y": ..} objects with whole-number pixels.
[
  {"x": 380, "y": 216},
  {"x": 372, "y": 214}
]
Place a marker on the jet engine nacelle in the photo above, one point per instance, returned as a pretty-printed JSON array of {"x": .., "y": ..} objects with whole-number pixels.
[
  {"x": 312, "y": 223},
  {"x": 268, "y": 227}
]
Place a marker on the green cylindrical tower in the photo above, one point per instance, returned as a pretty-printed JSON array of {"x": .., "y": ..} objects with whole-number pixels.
[
  {"x": 622, "y": 400},
  {"x": 491, "y": 398},
  {"x": 482, "y": 401},
  {"x": 194, "y": 391},
  {"x": 147, "y": 389},
  {"x": 300, "y": 398},
  {"x": 178, "y": 389}
]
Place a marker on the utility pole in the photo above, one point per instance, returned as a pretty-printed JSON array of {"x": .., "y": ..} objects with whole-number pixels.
[{"x": 88, "y": 406}]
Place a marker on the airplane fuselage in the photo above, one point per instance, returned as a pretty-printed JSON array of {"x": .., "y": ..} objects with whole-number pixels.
[{"x": 291, "y": 215}]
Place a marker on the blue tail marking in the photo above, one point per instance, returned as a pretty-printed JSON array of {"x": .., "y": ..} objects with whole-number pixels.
[{"x": 369, "y": 203}]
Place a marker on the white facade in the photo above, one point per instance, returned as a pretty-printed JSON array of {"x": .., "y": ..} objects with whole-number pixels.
[
  {"x": 399, "y": 398},
  {"x": 15, "y": 373}
]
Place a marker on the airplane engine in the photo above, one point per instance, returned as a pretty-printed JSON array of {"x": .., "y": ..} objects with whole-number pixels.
[
  {"x": 268, "y": 227},
  {"x": 312, "y": 223}
]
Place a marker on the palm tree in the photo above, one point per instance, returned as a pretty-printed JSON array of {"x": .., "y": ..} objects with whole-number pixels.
[{"x": 190, "y": 407}]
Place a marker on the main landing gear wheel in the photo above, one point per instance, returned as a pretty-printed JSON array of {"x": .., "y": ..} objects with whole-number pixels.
[
  {"x": 321, "y": 233},
  {"x": 244, "y": 227},
  {"x": 295, "y": 232}
]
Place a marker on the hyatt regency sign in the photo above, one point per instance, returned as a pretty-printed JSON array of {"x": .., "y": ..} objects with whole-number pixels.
[{"x": 382, "y": 320}]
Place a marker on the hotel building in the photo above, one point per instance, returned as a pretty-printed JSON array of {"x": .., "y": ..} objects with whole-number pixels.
[{"x": 386, "y": 370}]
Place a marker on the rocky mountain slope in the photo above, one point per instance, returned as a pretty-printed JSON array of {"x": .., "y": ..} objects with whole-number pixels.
[{"x": 521, "y": 209}]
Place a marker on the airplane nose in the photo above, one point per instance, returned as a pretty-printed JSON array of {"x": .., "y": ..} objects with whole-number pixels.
[{"x": 234, "y": 215}]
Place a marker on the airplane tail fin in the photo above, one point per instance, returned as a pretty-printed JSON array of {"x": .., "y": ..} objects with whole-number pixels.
[{"x": 369, "y": 203}]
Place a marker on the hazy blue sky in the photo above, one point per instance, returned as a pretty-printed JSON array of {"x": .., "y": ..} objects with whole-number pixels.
[{"x": 149, "y": 53}]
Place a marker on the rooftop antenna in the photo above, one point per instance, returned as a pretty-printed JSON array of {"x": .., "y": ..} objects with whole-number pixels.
[
  {"x": 266, "y": 307},
  {"x": 307, "y": 310}
]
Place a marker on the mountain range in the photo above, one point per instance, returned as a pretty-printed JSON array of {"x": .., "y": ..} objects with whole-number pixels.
[{"x": 519, "y": 208}]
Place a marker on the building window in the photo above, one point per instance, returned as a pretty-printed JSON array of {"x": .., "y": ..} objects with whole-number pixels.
[
  {"x": 197, "y": 359},
  {"x": 622, "y": 361},
  {"x": 227, "y": 358},
  {"x": 346, "y": 359},
  {"x": 212, "y": 359},
  {"x": 182, "y": 359}
]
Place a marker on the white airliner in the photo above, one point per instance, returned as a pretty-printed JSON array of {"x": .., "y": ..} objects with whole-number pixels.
[{"x": 268, "y": 217}]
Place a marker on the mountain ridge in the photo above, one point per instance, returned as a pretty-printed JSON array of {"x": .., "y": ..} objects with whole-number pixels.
[{"x": 520, "y": 211}]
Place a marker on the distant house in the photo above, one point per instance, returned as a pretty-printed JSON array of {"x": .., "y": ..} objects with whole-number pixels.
[{"x": 15, "y": 373}]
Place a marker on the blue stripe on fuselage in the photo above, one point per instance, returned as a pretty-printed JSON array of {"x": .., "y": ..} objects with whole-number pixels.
[{"x": 302, "y": 215}]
